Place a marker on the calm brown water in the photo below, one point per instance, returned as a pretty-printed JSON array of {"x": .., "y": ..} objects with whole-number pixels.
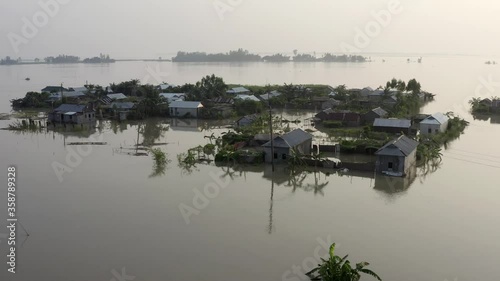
[{"x": 108, "y": 213}]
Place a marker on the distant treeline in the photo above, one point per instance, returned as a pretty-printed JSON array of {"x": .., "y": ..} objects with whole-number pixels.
[
  {"x": 60, "y": 59},
  {"x": 241, "y": 55}
]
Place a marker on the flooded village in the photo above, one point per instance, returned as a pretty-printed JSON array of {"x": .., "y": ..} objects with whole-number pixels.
[{"x": 341, "y": 130}]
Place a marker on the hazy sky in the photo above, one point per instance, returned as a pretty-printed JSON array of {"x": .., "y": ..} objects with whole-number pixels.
[{"x": 152, "y": 28}]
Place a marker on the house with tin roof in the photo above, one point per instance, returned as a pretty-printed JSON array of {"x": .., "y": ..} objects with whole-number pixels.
[
  {"x": 297, "y": 141},
  {"x": 434, "y": 124},
  {"x": 392, "y": 125},
  {"x": 72, "y": 114},
  {"x": 397, "y": 157},
  {"x": 181, "y": 108}
]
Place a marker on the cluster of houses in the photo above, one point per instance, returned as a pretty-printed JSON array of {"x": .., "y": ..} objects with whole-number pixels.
[
  {"x": 377, "y": 118},
  {"x": 396, "y": 158}
]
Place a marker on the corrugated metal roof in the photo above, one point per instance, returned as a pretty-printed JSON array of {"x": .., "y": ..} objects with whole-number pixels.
[
  {"x": 247, "y": 97},
  {"x": 185, "y": 104},
  {"x": 291, "y": 139},
  {"x": 70, "y": 108},
  {"x": 436, "y": 118},
  {"x": 392, "y": 123},
  {"x": 379, "y": 111},
  {"x": 402, "y": 146},
  {"x": 122, "y": 105},
  {"x": 238, "y": 90},
  {"x": 270, "y": 95},
  {"x": 173, "y": 96},
  {"x": 117, "y": 96}
]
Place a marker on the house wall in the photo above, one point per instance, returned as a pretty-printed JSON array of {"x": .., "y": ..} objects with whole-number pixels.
[
  {"x": 279, "y": 152},
  {"x": 400, "y": 164},
  {"x": 434, "y": 128},
  {"x": 370, "y": 117},
  {"x": 304, "y": 148},
  {"x": 382, "y": 164},
  {"x": 182, "y": 112},
  {"x": 79, "y": 118},
  {"x": 410, "y": 162}
]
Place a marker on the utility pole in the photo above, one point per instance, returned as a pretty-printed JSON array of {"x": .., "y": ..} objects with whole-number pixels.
[{"x": 271, "y": 130}]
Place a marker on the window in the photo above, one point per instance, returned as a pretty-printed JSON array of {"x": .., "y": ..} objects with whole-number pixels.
[
  {"x": 283, "y": 156},
  {"x": 429, "y": 130},
  {"x": 437, "y": 131},
  {"x": 390, "y": 165},
  {"x": 275, "y": 155}
]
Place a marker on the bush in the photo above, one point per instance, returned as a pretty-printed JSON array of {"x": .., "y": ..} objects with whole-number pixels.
[{"x": 332, "y": 124}]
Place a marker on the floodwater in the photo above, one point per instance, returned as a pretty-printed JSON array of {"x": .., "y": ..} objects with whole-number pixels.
[{"x": 106, "y": 214}]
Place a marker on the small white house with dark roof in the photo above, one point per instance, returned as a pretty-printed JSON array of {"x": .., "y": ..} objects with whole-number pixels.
[
  {"x": 297, "y": 140},
  {"x": 434, "y": 124},
  {"x": 397, "y": 157},
  {"x": 181, "y": 108}
]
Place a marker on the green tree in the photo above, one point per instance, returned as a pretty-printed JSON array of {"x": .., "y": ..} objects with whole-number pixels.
[
  {"x": 339, "y": 269},
  {"x": 210, "y": 87},
  {"x": 413, "y": 86}
]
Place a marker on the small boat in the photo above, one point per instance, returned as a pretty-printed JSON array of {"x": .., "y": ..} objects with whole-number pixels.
[{"x": 27, "y": 79}]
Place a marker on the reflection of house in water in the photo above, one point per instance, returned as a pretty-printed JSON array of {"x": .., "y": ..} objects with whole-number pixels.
[
  {"x": 391, "y": 185},
  {"x": 185, "y": 125}
]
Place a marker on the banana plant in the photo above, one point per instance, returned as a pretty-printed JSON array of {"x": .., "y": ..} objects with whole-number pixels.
[{"x": 339, "y": 269}]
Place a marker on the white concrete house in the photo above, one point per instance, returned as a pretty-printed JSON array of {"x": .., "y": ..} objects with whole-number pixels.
[
  {"x": 181, "y": 108},
  {"x": 434, "y": 124}
]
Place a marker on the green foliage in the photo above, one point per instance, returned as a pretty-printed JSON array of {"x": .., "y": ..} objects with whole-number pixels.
[
  {"x": 332, "y": 124},
  {"x": 361, "y": 145},
  {"x": 209, "y": 87},
  {"x": 238, "y": 55},
  {"x": 246, "y": 107},
  {"x": 31, "y": 99},
  {"x": 413, "y": 86},
  {"x": 160, "y": 162},
  {"x": 339, "y": 269},
  {"x": 128, "y": 88}
]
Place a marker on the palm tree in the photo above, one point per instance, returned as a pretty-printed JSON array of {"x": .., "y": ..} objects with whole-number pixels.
[{"x": 339, "y": 269}]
